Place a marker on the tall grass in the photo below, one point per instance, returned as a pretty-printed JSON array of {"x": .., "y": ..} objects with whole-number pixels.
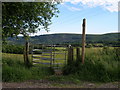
[
  {"x": 14, "y": 69},
  {"x": 99, "y": 66}
]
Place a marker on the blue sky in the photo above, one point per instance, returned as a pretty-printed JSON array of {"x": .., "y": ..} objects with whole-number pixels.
[{"x": 101, "y": 17}]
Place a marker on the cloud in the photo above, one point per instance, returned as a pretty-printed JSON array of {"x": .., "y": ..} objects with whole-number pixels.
[
  {"x": 110, "y": 5},
  {"x": 71, "y": 8},
  {"x": 75, "y": 9}
]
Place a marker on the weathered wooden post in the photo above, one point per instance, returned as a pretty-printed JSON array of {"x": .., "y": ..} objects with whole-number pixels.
[
  {"x": 26, "y": 54},
  {"x": 83, "y": 40},
  {"x": 70, "y": 55},
  {"x": 78, "y": 54}
]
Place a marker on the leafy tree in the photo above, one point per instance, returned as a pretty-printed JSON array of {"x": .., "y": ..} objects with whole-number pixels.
[{"x": 26, "y": 17}]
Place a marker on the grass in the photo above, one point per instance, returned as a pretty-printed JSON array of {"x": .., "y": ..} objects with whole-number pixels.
[
  {"x": 14, "y": 69},
  {"x": 101, "y": 65}
]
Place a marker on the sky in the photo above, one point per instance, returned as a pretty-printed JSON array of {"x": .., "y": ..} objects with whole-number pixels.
[{"x": 101, "y": 17}]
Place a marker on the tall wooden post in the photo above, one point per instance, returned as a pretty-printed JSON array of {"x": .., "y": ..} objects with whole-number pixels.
[{"x": 83, "y": 40}]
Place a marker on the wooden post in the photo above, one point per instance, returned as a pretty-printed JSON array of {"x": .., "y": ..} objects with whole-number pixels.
[
  {"x": 83, "y": 40},
  {"x": 78, "y": 54},
  {"x": 70, "y": 55},
  {"x": 26, "y": 54}
]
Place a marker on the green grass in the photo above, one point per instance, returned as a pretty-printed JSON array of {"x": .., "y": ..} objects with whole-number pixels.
[
  {"x": 14, "y": 69},
  {"x": 101, "y": 65}
]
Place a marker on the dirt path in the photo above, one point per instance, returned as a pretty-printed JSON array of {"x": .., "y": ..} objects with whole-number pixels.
[{"x": 51, "y": 84}]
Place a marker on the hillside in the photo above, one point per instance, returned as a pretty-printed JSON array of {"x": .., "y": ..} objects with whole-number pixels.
[{"x": 68, "y": 38}]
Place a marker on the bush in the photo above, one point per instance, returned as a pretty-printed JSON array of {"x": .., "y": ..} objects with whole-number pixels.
[{"x": 15, "y": 49}]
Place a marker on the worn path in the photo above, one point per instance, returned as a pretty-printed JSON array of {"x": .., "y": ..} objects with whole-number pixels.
[{"x": 52, "y": 84}]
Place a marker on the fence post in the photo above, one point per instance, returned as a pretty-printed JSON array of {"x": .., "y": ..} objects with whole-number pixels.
[
  {"x": 83, "y": 40},
  {"x": 78, "y": 54},
  {"x": 70, "y": 55},
  {"x": 26, "y": 53}
]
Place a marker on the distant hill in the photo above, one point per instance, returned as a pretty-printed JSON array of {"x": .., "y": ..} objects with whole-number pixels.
[{"x": 67, "y": 38}]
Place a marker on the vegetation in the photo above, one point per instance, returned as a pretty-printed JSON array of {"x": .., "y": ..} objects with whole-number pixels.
[
  {"x": 15, "y": 49},
  {"x": 26, "y": 17},
  {"x": 14, "y": 69},
  {"x": 101, "y": 65}
]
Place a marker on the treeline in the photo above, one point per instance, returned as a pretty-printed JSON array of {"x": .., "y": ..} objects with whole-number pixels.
[
  {"x": 15, "y": 49},
  {"x": 19, "y": 49},
  {"x": 96, "y": 44}
]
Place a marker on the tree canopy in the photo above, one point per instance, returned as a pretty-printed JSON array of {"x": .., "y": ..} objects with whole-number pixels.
[{"x": 26, "y": 17}]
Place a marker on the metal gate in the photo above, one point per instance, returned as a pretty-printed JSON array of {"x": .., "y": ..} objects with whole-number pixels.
[{"x": 53, "y": 56}]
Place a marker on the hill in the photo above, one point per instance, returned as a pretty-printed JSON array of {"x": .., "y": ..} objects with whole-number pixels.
[{"x": 68, "y": 39}]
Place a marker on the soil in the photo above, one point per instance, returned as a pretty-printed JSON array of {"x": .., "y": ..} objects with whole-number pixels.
[{"x": 53, "y": 84}]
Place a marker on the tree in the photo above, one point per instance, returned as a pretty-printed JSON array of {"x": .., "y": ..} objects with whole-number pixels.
[{"x": 26, "y": 17}]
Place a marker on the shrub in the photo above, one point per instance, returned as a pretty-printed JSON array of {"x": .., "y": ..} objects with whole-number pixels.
[{"x": 15, "y": 49}]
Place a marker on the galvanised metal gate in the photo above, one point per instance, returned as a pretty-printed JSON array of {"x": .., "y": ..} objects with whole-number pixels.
[{"x": 53, "y": 56}]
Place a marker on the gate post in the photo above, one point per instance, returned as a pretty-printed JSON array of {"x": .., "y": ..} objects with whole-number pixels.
[
  {"x": 83, "y": 40},
  {"x": 70, "y": 55},
  {"x": 78, "y": 54},
  {"x": 26, "y": 54}
]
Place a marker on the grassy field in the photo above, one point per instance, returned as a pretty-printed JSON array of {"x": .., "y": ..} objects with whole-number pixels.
[{"x": 101, "y": 65}]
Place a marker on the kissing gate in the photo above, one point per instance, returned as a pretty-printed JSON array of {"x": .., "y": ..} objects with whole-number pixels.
[{"x": 54, "y": 56}]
